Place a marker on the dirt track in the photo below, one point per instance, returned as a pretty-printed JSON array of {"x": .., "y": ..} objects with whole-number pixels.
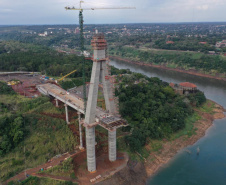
[{"x": 54, "y": 162}]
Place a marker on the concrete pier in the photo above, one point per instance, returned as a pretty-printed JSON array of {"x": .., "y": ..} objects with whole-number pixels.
[
  {"x": 112, "y": 145},
  {"x": 90, "y": 117},
  {"x": 66, "y": 112},
  {"x": 90, "y": 148},
  {"x": 80, "y": 132},
  {"x": 108, "y": 94},
  {"x": 57, "y": 103}
]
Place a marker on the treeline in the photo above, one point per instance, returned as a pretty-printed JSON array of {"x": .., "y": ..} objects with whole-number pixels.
[
  {"x": 5, "y": 89},
  {"x": 12, "y": 132},
  {"x": 152, "y": 108},
  {"x": 184, "y": 60},
  {"x": 52, "y": 40},
  {"x": 29, "y": 57},
  {"x": 187, "y": 44}
]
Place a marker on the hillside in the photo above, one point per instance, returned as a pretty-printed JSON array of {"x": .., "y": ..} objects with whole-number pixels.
[{"x": 29, "y": 134}]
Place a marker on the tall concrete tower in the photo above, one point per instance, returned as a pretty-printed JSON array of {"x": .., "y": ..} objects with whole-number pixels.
[{"x": 99, "y": 74}]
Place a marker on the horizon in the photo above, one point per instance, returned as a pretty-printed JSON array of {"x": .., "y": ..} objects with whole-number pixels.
[
  {"x": 207, "y": 22},
  {"x": 45, "y": 12}
]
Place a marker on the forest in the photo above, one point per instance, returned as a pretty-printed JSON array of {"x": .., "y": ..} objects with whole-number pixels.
[
  {"x": 174, "y": 59},
  {"x": 152, "y": 108},
  {"x": 26, "y": 124},
  {"x": 16, "y": 56}
]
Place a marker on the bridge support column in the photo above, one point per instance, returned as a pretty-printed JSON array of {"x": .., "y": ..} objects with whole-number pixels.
[
  {"x": 80, "y": 131},
  {"x": 57, "y": 104},
  {"x": 112, "y": 145},
  {"x": 66, "y": 112},
  {"x": 90, "y": 148}
]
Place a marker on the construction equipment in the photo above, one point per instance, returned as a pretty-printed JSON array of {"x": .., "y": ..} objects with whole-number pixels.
[
  {"x": 62, "y": 78},
  {"x": 82, "y": 37},
  {"x": 13, "y": 82}
]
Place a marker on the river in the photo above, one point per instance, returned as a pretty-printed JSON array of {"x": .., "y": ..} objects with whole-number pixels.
[{"x": 209, "y": 167}]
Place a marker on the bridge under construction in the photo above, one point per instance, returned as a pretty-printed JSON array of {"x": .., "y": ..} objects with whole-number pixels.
[{"x": 108, "y": 119}]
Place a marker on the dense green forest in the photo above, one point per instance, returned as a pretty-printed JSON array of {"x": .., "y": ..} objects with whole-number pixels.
[
  {"x": 180, "y": 42},
  {"x": 26, "y": 124},
  {"x": 152, "y": 108},
  {"x": 28, "y": 57},
  {"x": 185, "y": 60},
  {"x": 5, "y": 89},
  {"x": 185, "y": 44}
]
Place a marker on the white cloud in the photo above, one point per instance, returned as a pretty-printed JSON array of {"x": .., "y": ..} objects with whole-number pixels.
[
  {"x": 5, "y": 10},
  {"x": 52, "y": 11},
  {"x": 203, "y": 7}
]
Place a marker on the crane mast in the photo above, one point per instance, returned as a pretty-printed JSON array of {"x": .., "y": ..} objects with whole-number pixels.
[
  {"x": 82, "y": 48},
  {"x": 82, "y": 39},
  {"x": 99, "y": 73}
]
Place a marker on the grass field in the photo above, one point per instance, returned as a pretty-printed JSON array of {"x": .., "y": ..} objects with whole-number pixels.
[
  {"x": 46, "y": 136},
  {"x": 42, "y": 181}
]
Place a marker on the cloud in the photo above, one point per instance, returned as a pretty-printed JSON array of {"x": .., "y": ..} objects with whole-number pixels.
[
  {"x": 52, "y": 11},
  {"x": 203, "y": 7},
  {"x": 5, "y": 10}
]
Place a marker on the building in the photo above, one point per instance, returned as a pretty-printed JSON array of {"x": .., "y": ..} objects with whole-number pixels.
[
  {"x": 184, "y": 88},
  {"x": 203, "y": 43},
  {"x": 77, "y": 30},
  {"x": 221, "y": 44},
  {"x": 169, "y": 42},
  {"x": 43, "y": 34}
]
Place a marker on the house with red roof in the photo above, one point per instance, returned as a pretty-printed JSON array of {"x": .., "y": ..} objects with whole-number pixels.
[{"x": 184, "y": 88}]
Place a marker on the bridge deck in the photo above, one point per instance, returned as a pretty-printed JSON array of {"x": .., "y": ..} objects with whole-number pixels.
[{"x": 106, "y": 120}]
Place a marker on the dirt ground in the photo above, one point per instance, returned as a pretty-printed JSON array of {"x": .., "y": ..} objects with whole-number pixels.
[
  {"x": 27, "y": 85},
  {"x": 105, "y": 168},
  {"x": 54, "y": 161}
]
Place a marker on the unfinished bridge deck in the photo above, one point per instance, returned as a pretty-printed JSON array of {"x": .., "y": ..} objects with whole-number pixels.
[{"x": 106, "y": 120}]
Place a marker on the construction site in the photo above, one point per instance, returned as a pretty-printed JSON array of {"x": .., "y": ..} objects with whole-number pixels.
[{"x": 94, "y": 159}]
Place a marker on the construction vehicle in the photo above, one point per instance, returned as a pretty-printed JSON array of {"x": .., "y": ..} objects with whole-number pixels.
[
  {"x": 13, "y": 82},
  {"x": 62, "y": 78},
  {"x": 82, "y": 38}
]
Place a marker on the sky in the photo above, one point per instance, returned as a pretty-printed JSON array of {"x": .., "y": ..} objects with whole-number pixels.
[{"x": 21, "y": 12}]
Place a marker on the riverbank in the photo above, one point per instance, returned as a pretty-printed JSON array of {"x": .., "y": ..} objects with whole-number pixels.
[
  {"x": 139, "y": 173},
  {"x": 191, "y": 71},
  {"x": 170, "y": 148}
]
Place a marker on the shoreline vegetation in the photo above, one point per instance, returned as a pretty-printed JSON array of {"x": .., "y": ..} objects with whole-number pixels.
[
  {"x": 191, "y": 71},
  {"x": 207, "y": 114}
]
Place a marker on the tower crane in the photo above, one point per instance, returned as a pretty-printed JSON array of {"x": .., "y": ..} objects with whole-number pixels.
[
  {"x": 80, "y": 9},
  {"x": 62, "y": 78}
]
